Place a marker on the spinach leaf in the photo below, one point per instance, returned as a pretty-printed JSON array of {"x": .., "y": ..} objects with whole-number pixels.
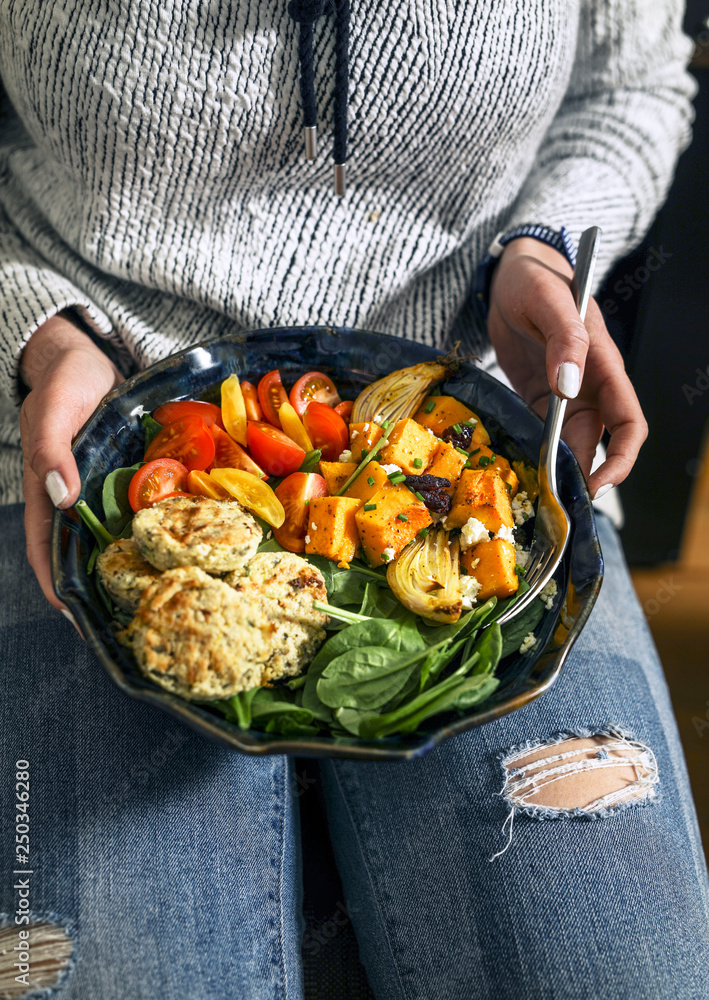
[
  {"x": 346, "y": 586},
  {"x": 117, "y": 511},
  {"x": 472, "y": 694},
  {"x": 238, "y": 708},
  {"x": 488, "y": 650},
  {"x": 366, "y": 677},
  {"x": 151, "y": 428},
  {"x": 515, "y": 631}
]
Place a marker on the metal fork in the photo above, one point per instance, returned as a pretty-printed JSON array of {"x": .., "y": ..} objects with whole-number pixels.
[{"x": 552, "y": 525}]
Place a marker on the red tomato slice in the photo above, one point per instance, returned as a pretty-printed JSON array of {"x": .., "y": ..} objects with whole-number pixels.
[
  {"x": 294, "y": 493},
  {"x": 228, "y": 454},
  {"x": 326, "y": 429},
  {"x": 345, "y": 410},
  {"x": 313, "y": 385},
  {"x": 169, "y": 412},
  {"x": 273, "y": 450},
  {"x": 253, "y": 407},
  {"x": 270, "y": 395},
  {"x": 155, "y": 481},
  {"x": 188, "y": 440}
]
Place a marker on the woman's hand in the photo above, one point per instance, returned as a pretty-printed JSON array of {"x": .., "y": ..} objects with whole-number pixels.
[
  {"x": 68, "y": 376},
  {"x": 540, "y": 341}
]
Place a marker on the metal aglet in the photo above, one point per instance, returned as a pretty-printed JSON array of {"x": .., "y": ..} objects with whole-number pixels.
[
  {"x": 339, "y": 179},
  {"x": 311, "y": 142}
]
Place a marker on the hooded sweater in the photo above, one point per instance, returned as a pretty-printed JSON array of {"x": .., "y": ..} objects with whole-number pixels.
[{"x": 153, "y": 176}]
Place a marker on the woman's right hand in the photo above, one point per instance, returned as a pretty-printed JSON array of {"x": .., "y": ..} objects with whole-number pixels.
[{"x": 67, "y": 376}]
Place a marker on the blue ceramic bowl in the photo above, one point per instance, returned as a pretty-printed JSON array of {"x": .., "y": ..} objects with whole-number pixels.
[{"x": 113, "y": 438}]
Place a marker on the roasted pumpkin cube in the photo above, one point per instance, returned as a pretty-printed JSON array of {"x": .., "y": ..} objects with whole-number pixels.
[
  {"x": 336, "y": 474},
  {"x": 447, "y": 462},
  {"x": 528, "y": 479},
  {"x": 388, "y": 521},
  {"x": 493, "y": 566},
  {"x": 486, "y": 458},
  {"x": 371, "y": 479},
  {"x": 363, "y": 437},
  {"x": 440, "y": 412},
  {"x": 332, "y": 531},
  {"x": 410, "y": 447},
  {"x": 481, "y": 493}
]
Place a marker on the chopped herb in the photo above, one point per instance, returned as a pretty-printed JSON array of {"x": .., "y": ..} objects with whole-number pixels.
[
  {"x": 385, "y": 425},
  {"x": 474, "y": 452},
  {"x": 462, "y": 451},
  {"x": 419, "y": 496},
  {"x": 483, "y": 461},
  {"x": 396, "y": 477},
  {"x": 493, "y": 457},
  {"x": 418, "y": 463},
  {"x": 457, "y": 428},
  {"x": 307, "y": 502},
  {"x": 520, "y": 570},
  {"x": 363, "y": 453},
  {"x": 385, "y": 557},
  {"x": 509, "y": 488},
  {"x": 463, "y": 570},
  {"x": 247, "y": 571},
  {"x": 422, "y": 533},
  {"x": 430, "y": 406},
  {"x": 401, "y": 517},
  {"x": 370, "y": 506},
  {"x": 469, "y": 423},
  {"x": 371, "y": 480}
]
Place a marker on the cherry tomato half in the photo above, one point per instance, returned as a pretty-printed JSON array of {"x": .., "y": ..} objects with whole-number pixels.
[
  {"x": 326, "y": 429},
  {"x": 294, "y": 493},
  {"x": 155, "y": 481},
  {"x": 228, "y": 454},
  {"x": 313, "y": 385},
  {"x": 270, "y": 395},
  {"x": 169, "y": 412},
  {"x": 345, "y": 410},
  {"x": 273, "y": 450},
  {"x": 253, "y": 407},
  {"x": 188, "y": 440}
]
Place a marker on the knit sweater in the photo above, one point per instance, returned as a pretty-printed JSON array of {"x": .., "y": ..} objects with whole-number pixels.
[{"x": 152, "y": 172}]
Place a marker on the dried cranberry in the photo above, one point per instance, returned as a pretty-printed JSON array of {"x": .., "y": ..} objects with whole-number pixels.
[
  {"x": 461, "y": 438},
  {"x": 432, "y": 490}
]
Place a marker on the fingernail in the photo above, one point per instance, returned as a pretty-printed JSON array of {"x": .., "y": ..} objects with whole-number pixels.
[
  {"x": 568, "y": 379},
  {"x": 56, "y": 487},
  {"x": 602, "y": 490},
  {"x": 69, "y": 617}
]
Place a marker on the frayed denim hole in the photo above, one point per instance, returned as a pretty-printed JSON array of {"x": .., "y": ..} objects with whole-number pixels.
[{"x": 50, "y": 953}]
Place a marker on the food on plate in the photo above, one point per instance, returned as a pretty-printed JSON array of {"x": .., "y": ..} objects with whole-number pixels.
[
  {"x": 215, "y": 535},
  {"x": 125, "y": 573},
  {"x": 426, "y": 578}
]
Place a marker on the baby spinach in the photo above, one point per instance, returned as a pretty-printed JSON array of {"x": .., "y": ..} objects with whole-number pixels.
[
  {"x": 151, "y": 428},
  {"x": 117, "y": 511}
]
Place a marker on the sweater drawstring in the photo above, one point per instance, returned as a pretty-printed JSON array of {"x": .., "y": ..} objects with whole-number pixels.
[{"x": 306, "y": 13}]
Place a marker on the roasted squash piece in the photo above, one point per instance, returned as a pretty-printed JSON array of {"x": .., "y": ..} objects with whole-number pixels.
[
  {"x": 528, "y": 479},
  {"x": 362, "y": 488},
  {"x": 483, "y": 494},
  {"x": 493, "y": 566},
  {"x": 332, "y": 531},
  {"x": 389, "y": 521},
  {"x": 363, "y": 437},
  {"x": 447, "y": 462},
  {"x": 482, "y": 460},
  {"x": 446, "y": 411},
  {"x": 410, "y": 447},
  {"x": 336, "y": 474}
]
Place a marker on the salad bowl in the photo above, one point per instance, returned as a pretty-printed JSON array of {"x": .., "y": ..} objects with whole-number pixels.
[{"x": 113, "y": 438}]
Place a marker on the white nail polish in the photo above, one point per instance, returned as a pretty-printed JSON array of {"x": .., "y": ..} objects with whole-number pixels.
[
  {"x": 602, "y": 490},
  {"x": 56, "y": 487},
  {"x": 568, "y": 379}
]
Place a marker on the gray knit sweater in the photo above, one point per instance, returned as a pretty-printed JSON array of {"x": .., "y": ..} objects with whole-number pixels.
[{"x": 152, "y": 170}]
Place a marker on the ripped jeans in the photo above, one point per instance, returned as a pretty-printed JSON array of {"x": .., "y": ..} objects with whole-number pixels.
[{"x": 163, "y": 866}]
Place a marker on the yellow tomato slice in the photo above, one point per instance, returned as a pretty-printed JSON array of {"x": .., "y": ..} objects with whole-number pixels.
[
  {"x": 252, "y": 493},
  {"x": 293, "y": 427},
  {"x": 234, "y": 409},
  {"x": 201, "y": 484}
]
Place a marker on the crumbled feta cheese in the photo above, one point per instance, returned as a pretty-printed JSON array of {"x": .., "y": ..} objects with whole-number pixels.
[
  {"x": 307, "y": 539},
  {"x": 522, "y": 508},
  {"x": 269, "y": 535},
  {"x": 346, "y": 456},
  {"x": 522, "y": 555},
  {"x": 365, "y": 428},
  {"x": 527, "y": 642},
  {"x": 313, "y": 525},
  {"x": 388, "y": 554},
  {"x": 391, "y": 469},
  {"x": 472, "y": 532},
  {"x": 469, "y": 589},
  {"x": 378, "y": 418},
  {"x": 506, "y": 534},
  {"x": 548, "y": 593}
]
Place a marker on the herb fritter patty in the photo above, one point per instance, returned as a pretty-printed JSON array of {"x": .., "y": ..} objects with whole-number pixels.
[
  {"x": 216, "y": 535},
  {"x": 283, "y": 587},
  {"x": 199, "y": 638},
  {"x": 124, "y": 573}
]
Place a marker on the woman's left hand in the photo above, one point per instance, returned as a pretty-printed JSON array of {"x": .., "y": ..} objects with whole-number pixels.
[{"x": 540, "y": 341}]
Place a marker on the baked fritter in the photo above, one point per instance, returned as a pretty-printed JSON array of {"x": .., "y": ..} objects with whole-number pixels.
[
  {"x": 124, "y": 573},
  {"x": 216, "y": 535},
  {"x": 199, "y": 638},
  {"x": 283, "y": 586}
]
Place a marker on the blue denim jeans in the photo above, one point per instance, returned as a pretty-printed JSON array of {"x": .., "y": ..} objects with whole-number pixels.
[{"x": 173, "y": 866}]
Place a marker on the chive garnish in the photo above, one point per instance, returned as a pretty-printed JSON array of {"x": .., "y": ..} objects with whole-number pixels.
[
  {"x": 362, "y": 453},
  {"x": 422, "y": 533},
  {"x": 396, "y": 477},
  {"x": 418, "y": 462},
  {"x": 430, "y": 406},
  {"x": 401, "y": 517},
  {"x": 462, "y": 451},
  {"x": 463, "y": 570},
  {"x": 483, "y": 461},
  {"x": 474, "y": 452},
  {"x": 371, "y": 481},
  {"x": 457, "y": 428},
  {"x": 419, "y": 497},
  {"x": 370, "y": 506}
]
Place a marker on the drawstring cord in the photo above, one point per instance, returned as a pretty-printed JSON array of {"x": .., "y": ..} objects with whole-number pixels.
[{"x": 306, "y": 13}]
